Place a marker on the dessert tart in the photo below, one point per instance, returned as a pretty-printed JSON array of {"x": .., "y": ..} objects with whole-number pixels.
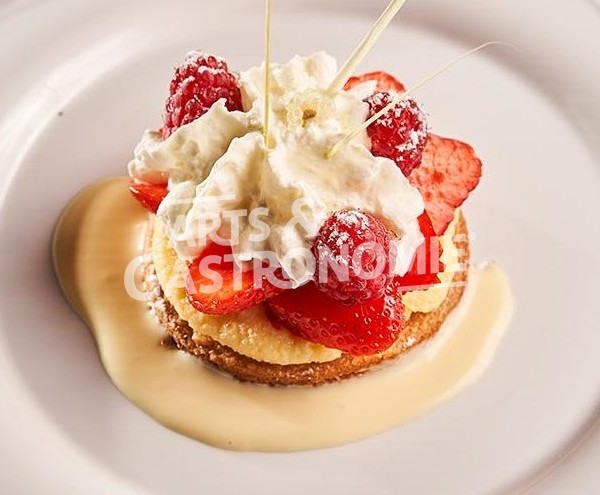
[
  {"x": 291, "y": 225},
  {"x": 395, "y": 186}
]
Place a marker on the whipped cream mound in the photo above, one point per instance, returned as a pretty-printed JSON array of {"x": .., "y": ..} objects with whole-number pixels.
[
  {"x": 270, "y": 202},
  {"x": 190, "y": 152}
]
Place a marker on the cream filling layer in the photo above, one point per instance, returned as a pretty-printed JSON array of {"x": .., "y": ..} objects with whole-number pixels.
[{"x": 251, "y": 333}]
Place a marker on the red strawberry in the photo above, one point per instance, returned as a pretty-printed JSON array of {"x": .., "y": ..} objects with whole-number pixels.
[
  {"x": 224, "y": 298},
  {"x": 197, "y": 84},
  {"x": 400, "y": 134},
  {"x": 149, "y": 195},
  {"x": 360, "y": 329},
  {"x": 362, "y": 253},
  {"x": 449, "y": 171},
  {"x": 385, "y": 81},
  {"x": 424, "y": 269}
]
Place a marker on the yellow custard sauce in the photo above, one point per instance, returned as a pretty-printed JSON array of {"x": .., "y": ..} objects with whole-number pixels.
[{"x": 102, "y": 230}]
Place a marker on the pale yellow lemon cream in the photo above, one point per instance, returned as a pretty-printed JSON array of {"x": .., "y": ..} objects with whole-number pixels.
[
  {"x": 250, "y": 332},
  {"x": 102, "y": 230}
]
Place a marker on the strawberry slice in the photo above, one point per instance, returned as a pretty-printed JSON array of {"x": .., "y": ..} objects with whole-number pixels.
[
  {"x": 449, "y": 171},
  {"x": 359, "y": 329},
  {"x": 424, "y": 269},
  {"x": 149, "y": 195},
  {"x": 385, "y": 81},
  {"x": 211, "y": 284}
]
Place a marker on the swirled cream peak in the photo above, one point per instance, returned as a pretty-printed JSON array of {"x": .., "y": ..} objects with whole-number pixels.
[
  {"x": 270, "y": 202},
  {"x": 190, "y": 152}
]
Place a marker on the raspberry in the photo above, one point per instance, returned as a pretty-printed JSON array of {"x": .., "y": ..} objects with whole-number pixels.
[
  {"x": 149, "y": 195},
  {"x": 229, "y": 298},
  {"x": 400, "y": 134},
  {"x": 360, "y": 329},
  {"x": 355, "y": 257},
  {"x": 448, "y": 173},
  {"x": 198, "y": 83},
  {"x": 385, "y": 81}
]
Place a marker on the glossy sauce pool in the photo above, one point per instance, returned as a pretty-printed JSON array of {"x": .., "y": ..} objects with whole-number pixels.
[{"x": 102, "y": 230}]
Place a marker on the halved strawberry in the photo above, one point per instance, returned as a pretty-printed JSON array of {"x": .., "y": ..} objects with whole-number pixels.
[
  {"x": 211, "y": 286},
  {"x": 149, "y": 195},
  {"x": 449, "y": 171},
  {"x": 424, "y": 269},
  {"x": 359, "y": 329},
  {"x": 385, "y": 81}
]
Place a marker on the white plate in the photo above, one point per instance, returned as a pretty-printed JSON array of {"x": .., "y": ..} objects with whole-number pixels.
[{"x": 81, "y": 80}]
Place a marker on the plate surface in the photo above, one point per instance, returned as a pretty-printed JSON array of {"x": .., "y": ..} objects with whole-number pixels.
[{"x": 80, "y": 82}]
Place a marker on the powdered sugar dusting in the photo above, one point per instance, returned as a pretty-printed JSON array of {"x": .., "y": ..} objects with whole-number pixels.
[
  {"x": 353, "y": 218},
  {"x": 193, "y": 55}
]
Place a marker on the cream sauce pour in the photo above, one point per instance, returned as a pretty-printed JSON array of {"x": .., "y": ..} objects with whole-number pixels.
[{"x": 102, "y": 230}]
